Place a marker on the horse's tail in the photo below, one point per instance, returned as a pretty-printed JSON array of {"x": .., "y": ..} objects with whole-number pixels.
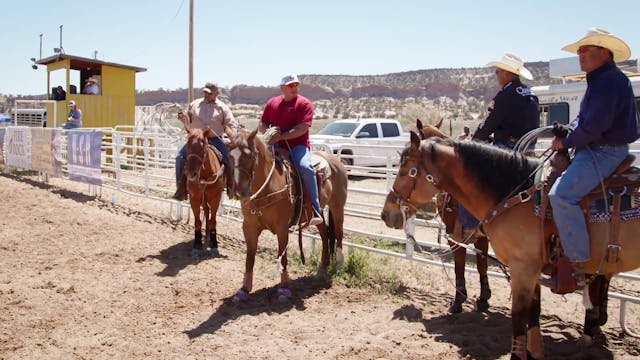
[{"x": 331, "y": 234}]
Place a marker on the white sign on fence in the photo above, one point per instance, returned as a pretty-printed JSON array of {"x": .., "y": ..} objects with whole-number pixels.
[{"x": 18, "y": 147}]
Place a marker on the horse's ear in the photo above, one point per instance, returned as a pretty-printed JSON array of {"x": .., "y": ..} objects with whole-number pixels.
[
  {"x": 251, "y": 138},
  {"x": 419, "y": 124},
  {"x": 439, "y": 124},
  {"x": 415, "y": 140}
]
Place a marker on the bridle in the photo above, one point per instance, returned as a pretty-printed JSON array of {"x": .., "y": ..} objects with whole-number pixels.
[
  {"x": 201, "y": 161},
  {"x": 402, "y": 196}
]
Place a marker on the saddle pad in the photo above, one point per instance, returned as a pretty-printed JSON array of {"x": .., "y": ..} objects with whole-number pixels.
[
  {"x": 217, "y": 152},
  {"x": 321, "y": 166},
  {"x": 630, "y": 210}
]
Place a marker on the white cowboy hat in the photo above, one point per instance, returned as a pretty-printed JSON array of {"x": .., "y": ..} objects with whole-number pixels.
[
  {"x": 605, "y": 39},
  {"x": 513, "y": 64}
]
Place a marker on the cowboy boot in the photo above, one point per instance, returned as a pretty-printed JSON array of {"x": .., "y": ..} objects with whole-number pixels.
[
  {"x": 316, "y": 219},
  {"x": 181, "y": 189}
]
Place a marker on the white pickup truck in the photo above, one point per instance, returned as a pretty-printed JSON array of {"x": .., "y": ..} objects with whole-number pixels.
[{"x": 362, "y": 142}]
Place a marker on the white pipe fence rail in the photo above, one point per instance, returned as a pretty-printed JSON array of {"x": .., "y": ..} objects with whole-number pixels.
[{"x": 142, "y": 163}]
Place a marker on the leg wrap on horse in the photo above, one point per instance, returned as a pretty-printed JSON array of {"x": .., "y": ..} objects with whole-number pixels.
[
  {"x": 485, "y": 290},
  {"x": 461, "y": 296},
  {"x": 213, "y": 239},
  {"x": 461, "y": 290}
]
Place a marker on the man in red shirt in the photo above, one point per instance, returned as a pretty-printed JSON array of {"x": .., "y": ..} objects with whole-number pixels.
[{"x": 292, "y": 114}]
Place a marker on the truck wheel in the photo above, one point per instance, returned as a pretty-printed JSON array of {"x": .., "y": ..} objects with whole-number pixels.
[{"x": 344, "y": 160}]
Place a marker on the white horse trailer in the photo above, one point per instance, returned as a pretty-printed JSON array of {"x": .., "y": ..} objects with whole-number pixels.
[{"x": 561, "y": 102}]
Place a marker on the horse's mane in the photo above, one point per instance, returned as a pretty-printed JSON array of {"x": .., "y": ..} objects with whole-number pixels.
[
  {"x": 196, "y": 133},
  {"x": 496, "y": 171}
]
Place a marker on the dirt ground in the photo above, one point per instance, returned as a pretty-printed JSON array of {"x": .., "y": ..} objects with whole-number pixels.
[{"x": 81, "y": 278}]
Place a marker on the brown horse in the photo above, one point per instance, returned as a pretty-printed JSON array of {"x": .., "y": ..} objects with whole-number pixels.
[
  {"x": 268, "y": 195},
  {"x": 204, "y": 184},
  {"x": 481, "y": 177},
  {"x": 448, "y": 210}
]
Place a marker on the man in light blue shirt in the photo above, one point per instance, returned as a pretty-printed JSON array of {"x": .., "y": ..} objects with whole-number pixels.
[{"x": 74, "y": 120}]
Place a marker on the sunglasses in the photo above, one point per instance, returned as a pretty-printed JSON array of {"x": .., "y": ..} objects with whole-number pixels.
[{"x": 292, "y": 85}]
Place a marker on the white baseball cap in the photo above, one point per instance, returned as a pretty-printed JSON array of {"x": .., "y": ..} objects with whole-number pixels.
[{"x": 289, "y": 79}]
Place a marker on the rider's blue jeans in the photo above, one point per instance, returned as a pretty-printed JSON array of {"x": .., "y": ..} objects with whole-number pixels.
[
  {"x": 302, "y": 159},
  {"x": 589, "y": 165},
  {"x": 181, "y": 158}
]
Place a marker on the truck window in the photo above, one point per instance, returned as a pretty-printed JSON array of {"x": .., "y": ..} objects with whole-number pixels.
[
  {"x": 556, "y": 112},
  {"x": 390, "y": 130},
  {"x": 372, "y": 129}
]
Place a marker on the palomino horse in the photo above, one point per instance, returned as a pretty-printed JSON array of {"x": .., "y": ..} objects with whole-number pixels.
[
  {"x": 268, "y": 197},
  {"x": 204, "y": 184},
  {"x": 448, "y": 210},
  {"x": 481, "y": 177}
]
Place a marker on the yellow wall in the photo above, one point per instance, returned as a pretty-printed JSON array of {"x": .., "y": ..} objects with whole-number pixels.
[{"x": 115, "y": 105}]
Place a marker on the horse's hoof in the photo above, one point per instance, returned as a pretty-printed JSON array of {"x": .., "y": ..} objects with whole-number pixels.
[
  {"x": 240, "y": 296},
  {"x": 455, "y": 307},
  {"x": 322, "y": 272},
  {"x": 195, "y": 253},
  {"x": 482, "y": 305},
  {"x": 214, "y": 252},
  {"x": 598, "y": 340},
  {"x": 284, "y": 294}
]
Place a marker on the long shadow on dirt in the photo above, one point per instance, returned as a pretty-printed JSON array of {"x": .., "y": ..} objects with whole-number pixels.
[
  {"x": 487, "y": 335},
  {"x": 261, "y": 301},
  {"x": 65, "y": 193},
  {"x": 177, "y": 257}
]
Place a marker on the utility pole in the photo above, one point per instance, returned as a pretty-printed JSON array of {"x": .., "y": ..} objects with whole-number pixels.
[
  {"x": 190, "y": 92},
  {"x": 41, "y": 46}
]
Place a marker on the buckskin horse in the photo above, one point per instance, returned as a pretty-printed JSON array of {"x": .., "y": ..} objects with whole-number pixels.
[
  {"x": 448, "y": 209},
  {"x": 482, "y": 178},
  {"x": 269, "y": 197},
  {"x": 204, "y": 184}
]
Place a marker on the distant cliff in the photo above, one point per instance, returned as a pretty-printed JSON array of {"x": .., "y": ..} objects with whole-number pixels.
[{"x": 457, "y": 83}]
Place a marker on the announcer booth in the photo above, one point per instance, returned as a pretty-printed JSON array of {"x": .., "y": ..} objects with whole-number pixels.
[{"x": 113, "y": 105}]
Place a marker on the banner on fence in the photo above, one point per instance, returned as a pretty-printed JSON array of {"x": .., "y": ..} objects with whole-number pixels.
[
  {"x": 46, "y": 154},
  {"x": 18, "y": 147},
  {"x": 83, "y": 156},
  {"x": 2, "y": 132}
]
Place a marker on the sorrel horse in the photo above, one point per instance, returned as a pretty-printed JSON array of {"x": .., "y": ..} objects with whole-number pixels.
[
  {"x": 268, "y": 195},
  {"x": 205, "y": 185},
  {"x": 448, "y": 209},
  {"x": 481, "y": 177}
]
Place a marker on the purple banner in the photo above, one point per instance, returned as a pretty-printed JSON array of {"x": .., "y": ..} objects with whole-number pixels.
[{"x": 83, "y": 156}]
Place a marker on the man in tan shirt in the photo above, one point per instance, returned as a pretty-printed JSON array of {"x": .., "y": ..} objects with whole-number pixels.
[{"x": 206, "y": 112}]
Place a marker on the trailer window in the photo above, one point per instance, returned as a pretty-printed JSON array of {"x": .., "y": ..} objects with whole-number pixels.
[{"x": 556, "y": 112}]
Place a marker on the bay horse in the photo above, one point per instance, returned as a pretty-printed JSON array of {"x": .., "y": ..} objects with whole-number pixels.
[
  {"x": 481, "y": 177},
  {"x": 448, "y": 209},
  {"x": 268, "y": 196},
  {"x": 205, "y": 185}
]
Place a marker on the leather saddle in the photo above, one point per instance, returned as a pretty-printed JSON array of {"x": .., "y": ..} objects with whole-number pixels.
[
  {"x": 620, "y": 190},
  {"x": 302, "y": 211}
]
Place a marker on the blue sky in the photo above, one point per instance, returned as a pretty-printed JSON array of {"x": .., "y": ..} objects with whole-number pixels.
[{"x": 256, "y": 42}]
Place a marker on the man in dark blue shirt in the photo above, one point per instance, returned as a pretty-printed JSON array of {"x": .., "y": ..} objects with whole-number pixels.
[
  {"x": 606, "y": 124},
  {"x": 513, "y": 112}
]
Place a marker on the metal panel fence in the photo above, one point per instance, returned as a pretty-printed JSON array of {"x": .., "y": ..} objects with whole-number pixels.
[{"x": 142, "y": 164}]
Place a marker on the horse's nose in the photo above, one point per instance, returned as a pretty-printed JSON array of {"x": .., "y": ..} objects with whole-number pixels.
[{"x": 383, "y": 215}]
